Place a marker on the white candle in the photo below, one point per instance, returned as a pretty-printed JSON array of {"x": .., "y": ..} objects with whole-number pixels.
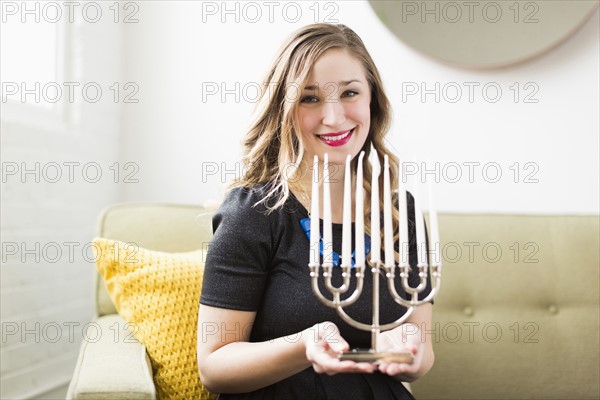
[
  {"x": 347, "y": 226},
  {"x": 359, "y": 218},
  {"x": 434, "y": 234},
  {"x": 403, "y": 215},
  {"x": 327, "y": 236},
  {"x": 420, "y": 226},
  {"x": 388, "y": 231},
  {"x": 314, "y": 216},
  {"x": 375, "y": 224}
]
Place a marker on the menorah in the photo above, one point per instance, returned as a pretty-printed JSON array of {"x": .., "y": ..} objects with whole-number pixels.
[{"x": 425, "y": 265}]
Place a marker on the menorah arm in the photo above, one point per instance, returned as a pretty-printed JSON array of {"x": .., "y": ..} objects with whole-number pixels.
[
  {"x": 422, "y": 277},
  {"x": 369, "y": 327},
  {"x": 356, "y": 294},
  {"x": 336, "y": 295},
  {"x": 436, "y": 273},
  {"x": 351, "y": 322},
  {"x": 327, "y": 273},
  {"x": 434, "y": 290},
  {"x": 399, "y": 321},
  {"x": 396, "y": 296},
  {"x": 314, "y": 277}
]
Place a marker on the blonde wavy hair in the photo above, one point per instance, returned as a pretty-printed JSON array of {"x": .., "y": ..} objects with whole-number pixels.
[{"x": 272, "y": 150}]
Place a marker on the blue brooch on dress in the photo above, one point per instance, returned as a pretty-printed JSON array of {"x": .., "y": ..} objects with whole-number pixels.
[{"x": 337, "y": 260}]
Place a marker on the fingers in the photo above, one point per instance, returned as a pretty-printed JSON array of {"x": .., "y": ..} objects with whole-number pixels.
[
  {"x": 336, "y": 343},
  {"x": 333, "y": 366},
  {"x": 328, "y": 362},
  {"x": 323, "y": 353},
  {"x": 395, "y": 368},
  {"x": 399, "y": 340}
]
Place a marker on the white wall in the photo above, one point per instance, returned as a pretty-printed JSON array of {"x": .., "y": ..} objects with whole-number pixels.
[
  {"x": 46, "y": 278},
  {"x": 178, "y": 139}
]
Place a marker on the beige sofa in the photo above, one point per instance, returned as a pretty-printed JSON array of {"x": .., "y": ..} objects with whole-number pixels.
[
  {"x": 527, "y": 320},
  {"x": 517, "y": 316}
]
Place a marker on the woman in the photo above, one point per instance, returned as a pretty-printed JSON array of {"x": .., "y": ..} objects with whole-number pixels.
[{"x": 262, "y": 333}]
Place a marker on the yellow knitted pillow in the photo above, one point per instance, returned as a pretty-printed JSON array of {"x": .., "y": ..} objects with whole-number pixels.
[{"x": 158, "y": 293}]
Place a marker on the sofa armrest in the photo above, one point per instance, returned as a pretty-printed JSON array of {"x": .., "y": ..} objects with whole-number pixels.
[{"x": 112, "y": 366}]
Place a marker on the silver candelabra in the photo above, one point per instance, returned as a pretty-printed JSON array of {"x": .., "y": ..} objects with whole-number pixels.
[{"x": 426, "y": 265}]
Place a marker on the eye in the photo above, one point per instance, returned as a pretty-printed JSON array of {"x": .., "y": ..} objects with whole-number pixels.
[
  {"x": 309, "y": 99},
  {"x": 350, "y": 93}
]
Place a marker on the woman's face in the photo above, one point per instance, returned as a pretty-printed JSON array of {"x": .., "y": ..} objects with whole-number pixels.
[{"x": 334, "y": 110}]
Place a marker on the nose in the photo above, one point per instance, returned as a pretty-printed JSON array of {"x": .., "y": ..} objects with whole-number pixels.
[{"x": 333, "y": 113}]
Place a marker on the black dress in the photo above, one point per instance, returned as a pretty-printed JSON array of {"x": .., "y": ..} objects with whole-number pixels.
[{"x": 259, "y": 262}]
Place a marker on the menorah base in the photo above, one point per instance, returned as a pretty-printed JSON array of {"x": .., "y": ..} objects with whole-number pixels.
[{"x": 376, "y": 357}]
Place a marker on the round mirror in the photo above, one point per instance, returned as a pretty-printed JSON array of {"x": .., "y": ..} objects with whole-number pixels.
[{"x": 483, "y": 34}]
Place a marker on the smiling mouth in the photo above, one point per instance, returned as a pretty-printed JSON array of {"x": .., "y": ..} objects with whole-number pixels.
[{"x": 336, "y": 137}]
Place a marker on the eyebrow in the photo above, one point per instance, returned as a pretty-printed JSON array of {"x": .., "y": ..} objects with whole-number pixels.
[{"x": 341, "y": 83}]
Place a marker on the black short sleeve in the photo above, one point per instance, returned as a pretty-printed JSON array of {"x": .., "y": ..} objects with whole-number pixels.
[{"x": 238, "y": 257}]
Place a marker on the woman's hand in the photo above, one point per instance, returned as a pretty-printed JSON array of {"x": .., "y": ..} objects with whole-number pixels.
[
  {"x": 405, "y": 338},
  {"x": 323, "y": 343}
]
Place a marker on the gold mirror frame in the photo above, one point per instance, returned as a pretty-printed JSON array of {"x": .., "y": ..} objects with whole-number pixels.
[{"x": 483, "y": 34}]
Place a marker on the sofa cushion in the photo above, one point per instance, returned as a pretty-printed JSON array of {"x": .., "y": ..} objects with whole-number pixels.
[
  {"x": 172, "y": 228},
  {"x": 158, "y": 293}
]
